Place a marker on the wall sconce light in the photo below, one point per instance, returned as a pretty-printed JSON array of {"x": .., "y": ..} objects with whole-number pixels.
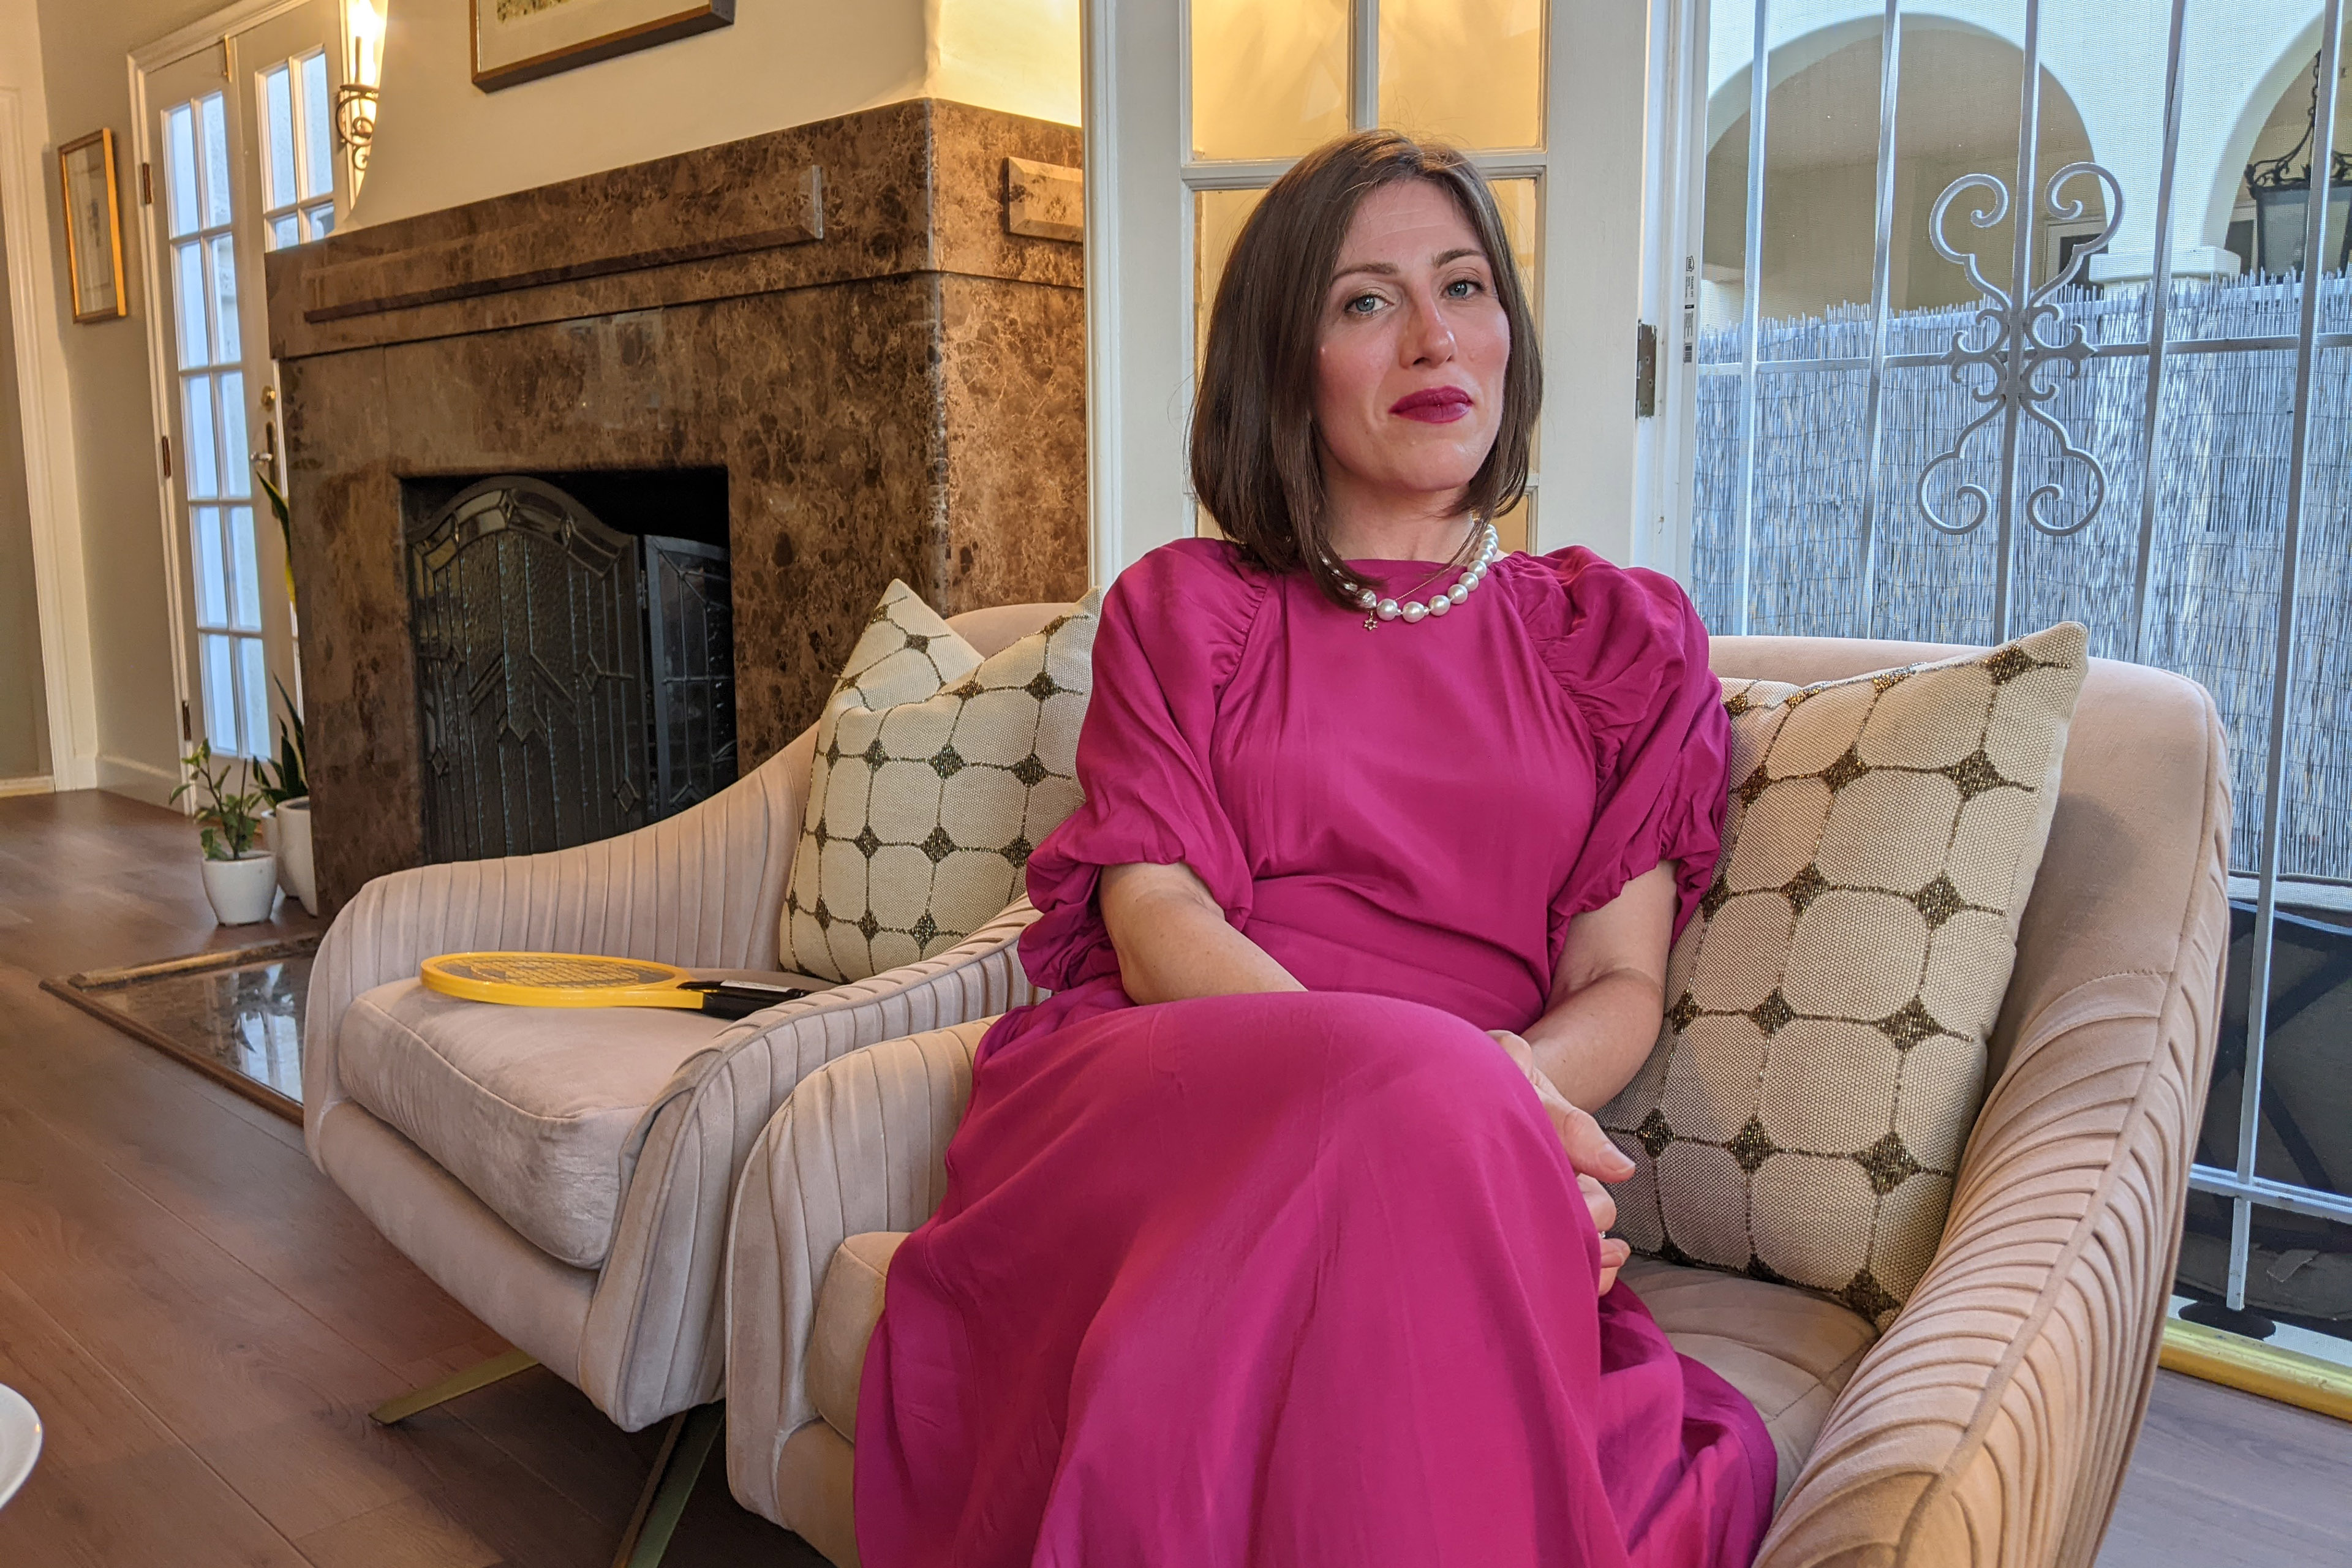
[{"x": 356, "y": 101}]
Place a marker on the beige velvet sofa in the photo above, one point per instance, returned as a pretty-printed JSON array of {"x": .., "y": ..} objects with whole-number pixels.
[
  {"x": 1991, "y": 1422},
  {"x": 566, "y": 1172}
]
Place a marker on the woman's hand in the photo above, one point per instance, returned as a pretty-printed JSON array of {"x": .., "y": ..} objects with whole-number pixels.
[{"x": 1594, "y": 1157}]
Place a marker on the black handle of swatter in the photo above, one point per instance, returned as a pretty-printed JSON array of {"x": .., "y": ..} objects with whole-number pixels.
[{"x": 740, "y": 998}]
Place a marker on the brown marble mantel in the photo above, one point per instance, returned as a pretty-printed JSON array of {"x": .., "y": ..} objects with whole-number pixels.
[{"x": 837, "y": 314}]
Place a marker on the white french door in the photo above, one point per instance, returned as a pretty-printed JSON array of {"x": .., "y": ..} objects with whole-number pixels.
[
  {"x": 1194, "y": 109},
  {"x": 239, "y": 158}
]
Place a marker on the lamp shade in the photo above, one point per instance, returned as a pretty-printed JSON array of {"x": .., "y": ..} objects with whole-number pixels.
[{"x": 2280, "y": 220}]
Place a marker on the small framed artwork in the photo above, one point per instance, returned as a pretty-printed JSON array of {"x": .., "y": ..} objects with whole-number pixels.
[
  {"x": 93, "y": 227},
  {"x": 522, "y": 40}
]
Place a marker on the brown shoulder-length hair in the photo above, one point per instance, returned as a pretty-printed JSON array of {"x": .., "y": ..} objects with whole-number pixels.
[{"x": 1256, "y": 464}]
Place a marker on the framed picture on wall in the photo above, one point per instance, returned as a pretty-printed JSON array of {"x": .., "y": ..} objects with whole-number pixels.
[
  {"x": 522, "y": 40},
  {"x": 93, "y": 227}
]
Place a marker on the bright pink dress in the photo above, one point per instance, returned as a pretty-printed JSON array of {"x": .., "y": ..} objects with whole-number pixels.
[{"x": 1305, "y": 1279}]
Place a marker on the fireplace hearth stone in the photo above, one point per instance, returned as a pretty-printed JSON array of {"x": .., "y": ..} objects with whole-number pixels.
[{"x": 893, "y": 389}]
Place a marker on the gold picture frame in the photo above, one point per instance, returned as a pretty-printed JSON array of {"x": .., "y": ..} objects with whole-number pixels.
[
  {"x": 94, "y": 207},
  {"x": 516, "y": 41}
]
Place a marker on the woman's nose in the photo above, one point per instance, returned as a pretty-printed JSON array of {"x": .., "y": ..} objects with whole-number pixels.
[{"x": 1427, "y": 338}]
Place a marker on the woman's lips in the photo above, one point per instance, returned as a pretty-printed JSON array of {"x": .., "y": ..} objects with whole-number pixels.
[{"x": 1433, "y": 406}]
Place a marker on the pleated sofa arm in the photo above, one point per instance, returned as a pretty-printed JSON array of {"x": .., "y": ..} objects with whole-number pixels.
[
  {"x": 704, "y": 889},
  {"x": 654, "y": 1342},
  {"x": 1992, "y": 1422},
  {"x": 860, "y": 1146}
]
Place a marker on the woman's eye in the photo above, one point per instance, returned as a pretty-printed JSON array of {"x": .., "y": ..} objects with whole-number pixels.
[
  {"x": 1364, "y": 304},
  {"x": 1461, "y": 287}
]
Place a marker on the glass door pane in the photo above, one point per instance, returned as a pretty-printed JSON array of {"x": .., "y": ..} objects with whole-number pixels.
[
  {"x": 216, "y": 484},
  {"x": 1217, "y": 220},
  {"x": 1465, "y": 71},
  {"x": 297, "y": 160},
  {"x": 1268, "y": 81}
]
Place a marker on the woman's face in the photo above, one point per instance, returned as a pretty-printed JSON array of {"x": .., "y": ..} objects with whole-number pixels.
[{"x": 1409, "y": 375}]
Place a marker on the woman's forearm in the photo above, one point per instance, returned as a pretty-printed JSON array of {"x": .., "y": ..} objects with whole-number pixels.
[
  {"x": 1174, "y": 941},
  {"x": 1593, "y": 1042}
]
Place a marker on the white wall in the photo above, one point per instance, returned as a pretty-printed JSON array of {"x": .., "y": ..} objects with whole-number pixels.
[
  {"x": 24, "y": 713},
  {"x": 84, "y": 61},
  {"x": 43, "y": 456},
  {"x": 440, "y": 141}
]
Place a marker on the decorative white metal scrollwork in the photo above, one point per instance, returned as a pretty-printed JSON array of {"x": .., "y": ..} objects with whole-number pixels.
[{"x": 2018, "y": 350}]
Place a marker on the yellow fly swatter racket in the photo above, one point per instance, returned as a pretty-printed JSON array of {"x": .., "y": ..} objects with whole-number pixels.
[{"x": 584, "y": 980}]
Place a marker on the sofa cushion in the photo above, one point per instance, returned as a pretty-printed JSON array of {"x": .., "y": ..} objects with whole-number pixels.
[
  {"x": 528, "y": 1107},
  {"x": 1788, "y": 1351},
  {"x": 848, "y": 1305},
  {"x": 1802, "y": 1116},
  {"x": 936, "y": 773}
]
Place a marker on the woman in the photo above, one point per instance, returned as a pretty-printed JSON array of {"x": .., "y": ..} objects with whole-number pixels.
[{"x": 1255, "y": 1248}]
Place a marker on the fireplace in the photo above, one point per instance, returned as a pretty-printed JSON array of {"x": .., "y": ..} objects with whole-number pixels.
[
  {"x": 575, "y": 678},
  {"x": 849, "y": 330}
]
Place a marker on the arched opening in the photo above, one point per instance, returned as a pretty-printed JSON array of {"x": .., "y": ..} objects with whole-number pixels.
[
  {"x": 2285, "y": 143},
  {"x": 1956, "y": 114}
]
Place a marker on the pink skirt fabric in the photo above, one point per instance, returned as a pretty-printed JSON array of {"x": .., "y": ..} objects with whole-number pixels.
[{"x": 1296, "y": 1279}]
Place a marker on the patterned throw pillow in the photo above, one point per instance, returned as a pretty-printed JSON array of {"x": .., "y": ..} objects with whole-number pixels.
[
  {"x": 936, "y": 773},
  {"x": 1803, "y": 1114}
]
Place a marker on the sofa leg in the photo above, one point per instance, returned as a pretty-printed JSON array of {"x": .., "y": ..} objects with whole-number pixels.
[
  {"x": 685, "y": 1447},
  {"x": 481, "y": 1374}
]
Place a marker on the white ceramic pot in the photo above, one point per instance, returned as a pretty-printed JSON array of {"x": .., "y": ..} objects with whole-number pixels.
[
  {"x": 290, "y": 840},
  {"x": 241, "y": 890}
]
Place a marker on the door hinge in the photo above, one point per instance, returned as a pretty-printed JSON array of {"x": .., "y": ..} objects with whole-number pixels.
[
  {"x": 1690, "y": 305},
  {"x": 167, "y": 455},
  {"x": 187, "y": 722},
  {"x": 146, "y": 185},
  {"x": 1645, "y": 371}
]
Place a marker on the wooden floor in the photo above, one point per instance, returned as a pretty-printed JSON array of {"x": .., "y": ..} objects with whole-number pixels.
[{"x": 202, "y": 1320}]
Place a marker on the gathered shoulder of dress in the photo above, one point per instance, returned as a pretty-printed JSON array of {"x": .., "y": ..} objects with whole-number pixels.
[
  {"x": 1173, "y": 631},
  {"x": 1630, "y": 650}
]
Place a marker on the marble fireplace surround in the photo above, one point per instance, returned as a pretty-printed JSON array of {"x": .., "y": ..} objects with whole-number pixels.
[{"x": 840, "y": 315}]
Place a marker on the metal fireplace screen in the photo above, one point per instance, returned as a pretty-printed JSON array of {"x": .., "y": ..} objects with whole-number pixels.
[{"x": 573, "y": 681}]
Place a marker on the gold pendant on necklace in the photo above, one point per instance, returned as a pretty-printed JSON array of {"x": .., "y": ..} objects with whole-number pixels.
[{"x": 1370, "y": 623}]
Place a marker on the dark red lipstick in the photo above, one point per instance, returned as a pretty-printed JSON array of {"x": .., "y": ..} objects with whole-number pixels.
[{"x": 1432, "y": 404}]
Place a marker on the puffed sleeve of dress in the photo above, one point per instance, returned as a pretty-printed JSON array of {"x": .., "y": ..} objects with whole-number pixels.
[
  {"x": 1172, "y": 636},
  {"x": 1630, "y": 651}
]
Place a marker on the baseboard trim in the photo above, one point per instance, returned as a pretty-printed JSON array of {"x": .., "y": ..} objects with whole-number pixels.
[
  {"x": 31, "y": 783},
  {"x": 141, "y": 781},
  {"x": 2288, "y": 1376}
]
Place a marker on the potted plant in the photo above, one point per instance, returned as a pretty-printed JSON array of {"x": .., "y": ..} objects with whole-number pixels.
[
  {"x": 287, "y": 788},
  {"x": 240, "y": 880}
]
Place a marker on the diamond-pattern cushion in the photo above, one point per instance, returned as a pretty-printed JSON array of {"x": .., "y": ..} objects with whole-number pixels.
[
  {"x": 1824, "y": 1053},
  {"x": 936, "y": 774}
]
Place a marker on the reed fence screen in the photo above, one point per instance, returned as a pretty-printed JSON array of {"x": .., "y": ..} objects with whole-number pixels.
[{"x": 2220, "y": 474}]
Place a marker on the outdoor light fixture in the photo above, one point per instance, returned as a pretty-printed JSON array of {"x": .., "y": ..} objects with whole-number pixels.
[
  {"x": 355, "y": 100},
  {"x": 2283, "y": 198}
]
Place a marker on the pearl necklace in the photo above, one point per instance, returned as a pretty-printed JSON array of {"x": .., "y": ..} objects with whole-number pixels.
[{"x": 1412, "y": 610}]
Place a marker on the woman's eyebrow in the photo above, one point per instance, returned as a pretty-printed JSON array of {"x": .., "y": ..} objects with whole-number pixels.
[{"x": 1390, "y": 269}]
